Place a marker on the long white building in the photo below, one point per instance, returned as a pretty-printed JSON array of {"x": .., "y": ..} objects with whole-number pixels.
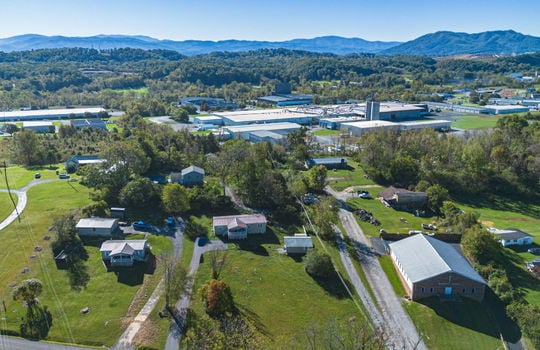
[{"x": 45, "y": 114}]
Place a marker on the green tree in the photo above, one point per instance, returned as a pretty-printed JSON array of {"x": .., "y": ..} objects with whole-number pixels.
[
  {"x": 481, "y": 247},
  {"x": 324, "y": 216},
  {"x": 28, "y": 291},
  {"x": 26, "y": 149},
  {"x": 175, "y": 198},
  {"x": 316, "y": 178},
  {"x": 318, "y": 264},
  {"x": 437, "y": 195},
  {"x": 140, "y": 193}
]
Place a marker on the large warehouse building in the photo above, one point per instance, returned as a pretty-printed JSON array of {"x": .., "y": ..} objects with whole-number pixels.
[
  {"x": 259, "y": 116},
  {"x": 245, "y": 131},
  {"x": 430, "y": 267},
  {"x": 46, "y": 114}
]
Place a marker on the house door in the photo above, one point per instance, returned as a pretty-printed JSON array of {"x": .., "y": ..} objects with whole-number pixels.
[{"x": 448, "y": 291}]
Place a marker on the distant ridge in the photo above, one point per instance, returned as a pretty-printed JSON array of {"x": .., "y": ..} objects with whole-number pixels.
[
  {"x": 504, "y": 42},
  {"x": 333, "y": 44},
  {"x": 444, "y": 43}
]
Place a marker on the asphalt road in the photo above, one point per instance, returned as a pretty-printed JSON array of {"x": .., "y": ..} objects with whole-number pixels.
[{"x": 8, "y": 343}]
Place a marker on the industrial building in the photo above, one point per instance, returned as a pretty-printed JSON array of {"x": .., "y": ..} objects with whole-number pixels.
[
  {"x": 266, "y": 116},
  {"x": 335, "y": 123},
  {"x": 244, "y": 131},
  {"x": 88, "y": 123},
  {"x": 435, "y": 124},
  {"x": 497, "y": 109},
  {"x": 430, "y": 267},
  {"x": 267, "y": 136},
  {"x": 362, "y": 127},
  {"x": 41, "y": 127},
  {"x": 46, "y": 114},
  {"x": 208, "y": 120},
  {"x": 287, "y": 99},
  {"x": 208, "y": 103}
]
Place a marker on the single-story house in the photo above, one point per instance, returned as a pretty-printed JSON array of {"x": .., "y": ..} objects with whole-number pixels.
[
  {"x": 239, "y": 226},
  {"x": 402, "y": 199},
  {"x": 329, "y": 163},
  {"x": 124, "y": 253},
  {"x": 300, "y": 243},
  {"x": 192, "y": 176},
  {"x": 512, "y": 236},
  {"x": 429, "y": 267},
  {"x": 97, "y": 226}
]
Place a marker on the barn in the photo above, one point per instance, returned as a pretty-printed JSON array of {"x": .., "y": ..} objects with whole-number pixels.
[{"x": 429, "y": 267}]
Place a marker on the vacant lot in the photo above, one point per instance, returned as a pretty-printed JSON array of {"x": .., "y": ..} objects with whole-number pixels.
[
  {"x": 275, "y": 292},
  {"x": 475, "y": 122},
  {"x": 340, "y": 179}
]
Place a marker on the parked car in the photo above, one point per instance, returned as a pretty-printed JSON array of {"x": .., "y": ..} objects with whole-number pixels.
[
  {"x": 37, "y": 176},
  {"x": 170, "y": 221},
  {"x": 535, "y": 251},
  {"x": 365, "y": 195},
  {"x": 429, "y": 227},
  {"x": 63, "y": 176},
  {"x": 142, "y": 226},
  {"x": 414, "y": 232}
]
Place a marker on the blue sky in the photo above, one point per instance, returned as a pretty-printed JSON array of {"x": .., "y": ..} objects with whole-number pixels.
[{"x": 385, "y": 20}]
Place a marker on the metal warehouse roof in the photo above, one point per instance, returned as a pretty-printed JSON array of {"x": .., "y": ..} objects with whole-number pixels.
[
  {"x": 192, "y": 168},
  {"x": 423, "y": 257},
  {"x": 96, "y": 223},
  {"x": 264, "y": 115},
  {"x": 298, "y": 241},
  {"x": 261, "y": 127}
]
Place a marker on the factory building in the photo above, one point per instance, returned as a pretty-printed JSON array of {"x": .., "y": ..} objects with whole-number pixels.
[
  {"x": 362, "y": 127},
  {"x": 42, "y": 127},
  {"x": 207, "y": 103},
  {"x": 46, "y": 114},
  {"x": 208, "y": 120},
  {"x": 266, "y": 116},
  {"x": 245, "y": 131},
  {"x": 496, "y": 109},
  {"x": 335, "y": 123}
]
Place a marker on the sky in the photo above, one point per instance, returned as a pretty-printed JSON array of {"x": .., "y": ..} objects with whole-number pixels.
[{"x": 272, "y": 20}]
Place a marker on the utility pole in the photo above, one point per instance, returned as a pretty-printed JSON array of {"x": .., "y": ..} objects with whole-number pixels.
[{"x": 9, "y": 192}]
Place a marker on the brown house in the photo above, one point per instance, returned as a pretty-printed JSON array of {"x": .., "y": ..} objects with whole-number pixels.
[
  {"x": 402, "y": 199},
  {"x": 429, "y": 267}
]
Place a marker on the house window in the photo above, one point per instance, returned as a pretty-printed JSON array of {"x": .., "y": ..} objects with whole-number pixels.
[
  {"x": 463, "y": 290},
  {"x": 431, "y": 290},
  {"x": 423, "y": 289},
  {"x": 473, "y": 290}
]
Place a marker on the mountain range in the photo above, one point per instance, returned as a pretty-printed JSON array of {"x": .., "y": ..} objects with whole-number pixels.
[{"x": 442, "y": 43}]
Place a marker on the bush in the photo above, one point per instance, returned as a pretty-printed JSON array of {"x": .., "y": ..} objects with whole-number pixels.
[
  {"x": 318, "y": 264},
  {"x": 217, "y": 297}
]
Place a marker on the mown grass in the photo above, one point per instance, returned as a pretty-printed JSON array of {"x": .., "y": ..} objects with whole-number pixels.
[
  {"x": 108, "y": 295},
  {"x": 325, "y": 132},
  {"x": 340, "y": 179},
  {"x": 469, "y": 122},
  {"x": 274, "y": 292},
  {"x": 448, "y": 325},
  {"x": 18, "y": 176},
  {"x": 6, "y": 206}
]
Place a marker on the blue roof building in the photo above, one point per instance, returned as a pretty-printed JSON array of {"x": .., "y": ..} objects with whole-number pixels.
[{"x": 329, "y": 163}]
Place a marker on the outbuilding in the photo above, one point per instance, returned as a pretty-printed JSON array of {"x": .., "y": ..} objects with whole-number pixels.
[
  {"x": 512, "y": 236},
  {"x": 300, "y": 243},
  {"x": 104, "y": 227},
  {"x": 328, "y": 163},
  {"x": 192, "y": 176}
]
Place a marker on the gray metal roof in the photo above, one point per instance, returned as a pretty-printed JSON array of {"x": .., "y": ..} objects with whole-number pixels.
[
  {"x": 192, "y": 168},
  {"x": 298, "y": 241},
  {"x": 423, "y": 257},
  {"x": 96, "y": 223},
  {"x": 127, "y": 247},
  {"x": 510, "y": 234}
]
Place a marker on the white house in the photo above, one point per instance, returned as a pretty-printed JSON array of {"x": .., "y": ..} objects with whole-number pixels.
[
  {"x": 96, "y": 226},
  {"x": 300, "y": 243},
  {"x": 239, "y": 226},
  {"x": 124, "y": 253},
  {"x": 512, "y": 236}
]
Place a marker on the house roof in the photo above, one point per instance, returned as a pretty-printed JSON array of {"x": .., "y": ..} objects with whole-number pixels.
[
  {"x": 246, "y": 219},
  {"x": 510, "y": 234},
  {"x": 423, "y": 257},
  {"x": 298, "y": 241},
  {"x": 127, "y": 247},
  {"x": 235, "y": 223},
  {"x": 327, "y": 161},
  {"x": 96, "y": 223},
  {"x": 191, "y": 169}
]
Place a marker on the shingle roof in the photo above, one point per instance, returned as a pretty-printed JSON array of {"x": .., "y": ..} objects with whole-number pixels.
[
  {"x": 423, "y": 257},
  {"x": 191, "y": 169},
  {"x": 246, "y": 219},
  {"x": 123, "y": 246}
]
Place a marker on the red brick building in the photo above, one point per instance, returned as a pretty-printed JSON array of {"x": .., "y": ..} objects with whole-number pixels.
[{"x": 429, "y": 267}]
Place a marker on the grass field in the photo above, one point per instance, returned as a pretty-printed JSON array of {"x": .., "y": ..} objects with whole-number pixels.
[
  {"x": 275, "y": 292},
  {"x": 475, "y": 122},
  {"x": 6, "y": 206},
  {"x": 19, "y": 176},
  {"x": 448, "y": 325},
  {"x": 109, "y": 296},
  {"x": 325, "y": 132},
  {"x": 340, "y": 179}
]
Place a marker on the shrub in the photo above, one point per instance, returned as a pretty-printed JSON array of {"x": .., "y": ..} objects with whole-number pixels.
[{"x": 318, "y": 264}]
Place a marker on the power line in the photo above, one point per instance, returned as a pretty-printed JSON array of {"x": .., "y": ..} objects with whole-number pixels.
[{"x": 9, "y": 192}]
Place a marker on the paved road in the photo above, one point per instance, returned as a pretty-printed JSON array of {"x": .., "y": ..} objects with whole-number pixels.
[
  {"x": 22, "y": 201},
  {"x": 397, "y": 322},
  {"x": 9, "y": 343},
  {"x": 182, "y": 305}
]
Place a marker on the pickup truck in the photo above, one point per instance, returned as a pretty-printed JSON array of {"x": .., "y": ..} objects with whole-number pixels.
[{"x": 142, "y": 226}]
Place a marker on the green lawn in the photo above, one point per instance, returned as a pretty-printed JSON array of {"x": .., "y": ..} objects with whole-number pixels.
[
  {"x": 6, "y": 206},
  {"x": 325, "y": 132},
  {"x": 449, "y": 325},
  {"x": 19, "y": 176},
  {"x": 275, "y": 292},
  {"x": 108, "y": 295},
  {"x": 475, "y": 122},
  {"x": 340, "y": 179}
]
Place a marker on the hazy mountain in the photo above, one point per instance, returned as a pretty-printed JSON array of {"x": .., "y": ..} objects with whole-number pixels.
[
  {"x": 451, "y": 43},
  {"x": 333, "y": 44}
]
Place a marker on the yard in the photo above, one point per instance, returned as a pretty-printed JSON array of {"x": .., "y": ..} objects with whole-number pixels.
[
  {"x": 6, "y": 206},
  {"x": 108, "y": 296},
  {"x": 340, "y": 179},
  {"x": 19, "y": 176},
  {"x": 274, "y": 291}
]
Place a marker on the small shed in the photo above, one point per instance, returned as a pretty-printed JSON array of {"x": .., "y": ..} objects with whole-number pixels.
[
  {"x": 512, "y": 236},
  {"x": 104, "y": 227},
  {"x": 118, "y": 213},
  {"x": 329, "y": 163},
  {"x": 192, "y": 176},
  {"x": 300, "y": 243}
]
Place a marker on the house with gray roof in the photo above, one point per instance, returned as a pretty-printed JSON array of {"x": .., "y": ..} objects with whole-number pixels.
[
  {"x": 429, "y": 267},
  {"x": 124, "y": 252},
  {"x": 512, "y": 236},
  {"x": 95, "y": 226},
  {"x": 192, "y": 176}
]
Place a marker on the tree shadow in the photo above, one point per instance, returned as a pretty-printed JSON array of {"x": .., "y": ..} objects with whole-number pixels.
[
  {"x": 253, "y": 317},
  {"x": 36, "y": 324},
  {"x": 488, "y": 317},
  {"x": 333, "y": 285},
  {"x": 255, "y": 243},
  {"x": 134, "y": 275},
  {"x": 513, "y": 203}
]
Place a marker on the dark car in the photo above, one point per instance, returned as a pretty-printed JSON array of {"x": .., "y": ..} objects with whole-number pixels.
[
  {"x": 142, "y": 226},
  {"x": 37, "y": 176},
  {"x": 63, "y": 176},
  {"x": 202, "y": 241}
]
